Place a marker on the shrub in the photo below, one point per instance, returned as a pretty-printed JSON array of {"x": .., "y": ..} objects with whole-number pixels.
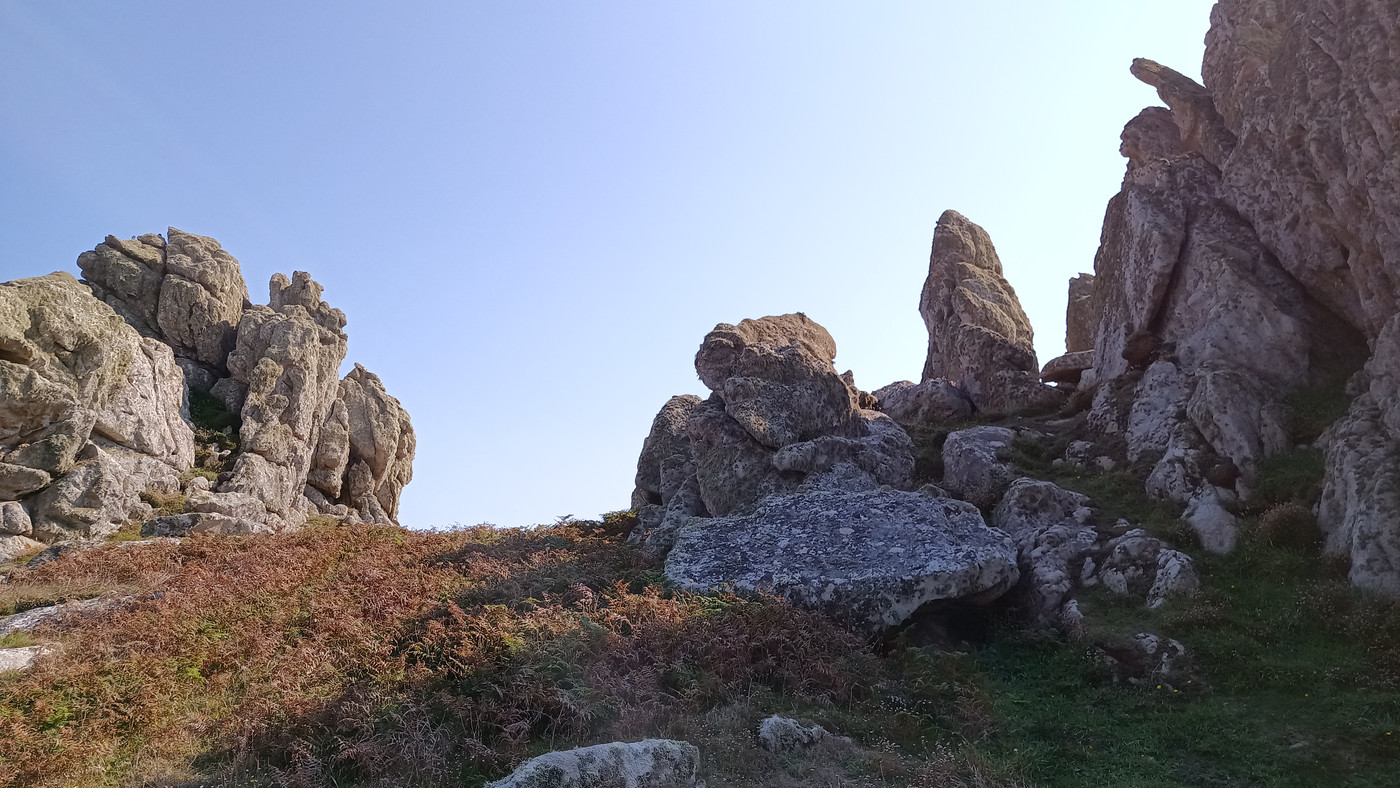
[
  {"x": 364, "y": 653},
  {"x": 1289, "y": 525}
]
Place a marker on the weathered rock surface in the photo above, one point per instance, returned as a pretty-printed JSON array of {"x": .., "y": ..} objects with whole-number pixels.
[
  {"x": 1139, "y": 564},
  {"x": 1081, "y": 322},
  {"x": 1256, "y": 247},
  {"x": 650, "y": 763},
  {"x": 779, "y": 416},
  {"x": 185, "y": 291},
  {"x": 1359, "y": 512},
  {"x": 12, "y": 547},
  {"x": 930, "y": 403},
  {"x": 288, "y": 355},
  {"x": 974, "y": 462},
  {"x": 22, "y": 658},
  {"x": 979, "y": 337},
  {"x": 89, "y": 410},
  {"x": 777, "y": 381},
  {"x": 1048, "y": 525},
  {"x": 1311, "y": 92},
  {"x": 364, "y": 457},
  {"x": 782, "y": 735},
  {"x": 870, "y": 557},
  {"x": 666, "y": 460},
  {"x": 1068, "y": 368},
  {"x": 14, "y": 519},
  {"x": 94, "y": 380}
]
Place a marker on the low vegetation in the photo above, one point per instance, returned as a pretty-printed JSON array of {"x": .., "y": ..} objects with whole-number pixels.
[{"x": 368, "y": 655}]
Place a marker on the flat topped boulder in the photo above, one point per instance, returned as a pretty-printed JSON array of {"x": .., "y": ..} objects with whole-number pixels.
[{"x": 871, "y": 558}]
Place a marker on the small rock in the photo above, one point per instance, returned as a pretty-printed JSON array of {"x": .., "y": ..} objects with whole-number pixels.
[
  {"x": 22, "y": 658},
  {"x": 783, "y": 735}
]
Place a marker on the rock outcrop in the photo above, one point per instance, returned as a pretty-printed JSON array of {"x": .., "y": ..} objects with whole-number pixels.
[
  {"x": 978, "y": 336},
  {"x": 1255, "y": 249},
  {"x": 781, "y": 482},
  {"x": 779, "y": 413},
  {"x": 89, "y": 411},
  {"x": 95, "y": 380}
]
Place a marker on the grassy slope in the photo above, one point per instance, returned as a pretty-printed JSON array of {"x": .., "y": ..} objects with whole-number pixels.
[{"x": 369, "y": 655}]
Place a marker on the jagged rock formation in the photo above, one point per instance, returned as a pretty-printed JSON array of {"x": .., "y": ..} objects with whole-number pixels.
[
  {"x": 978, "y": 336},
  {"x": 781, "y": 481},
  {"x": 95, "y": 379},
  {"x": 1255, "y": 248}
]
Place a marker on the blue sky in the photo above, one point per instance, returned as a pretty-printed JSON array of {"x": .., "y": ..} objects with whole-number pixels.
[{"x": 533, "y": 212}]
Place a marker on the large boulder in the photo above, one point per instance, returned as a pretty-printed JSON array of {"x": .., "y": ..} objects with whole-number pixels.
[
  {"x": 978, "y": 335},
  {"x": 288, "y": 356},
  {"x": 779, "y": 415},
  {"x": 777, "y": 381},
  {"x": 89, "y": 410},
  {"x": 926, "y": 404},
  {"x": 184, "y": 290},
  {"x": 975, "y": 463},
  {"x": 1311, "y": 93},
  {"x": 666, "y": 460},
  {"x": 365, "y": 453},
  {"x": 871, "y": 557},
  {"x": 1048, "y": 525},
  {"x": 1201, "y": 331},
  {"x": 650, "y": 763}
]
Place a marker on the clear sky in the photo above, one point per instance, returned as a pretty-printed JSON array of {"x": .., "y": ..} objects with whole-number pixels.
[{"x": 532, "y": 212}]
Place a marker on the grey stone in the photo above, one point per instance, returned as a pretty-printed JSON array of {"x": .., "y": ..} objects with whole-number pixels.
[
  {"x": 783, "y": 735},
  {"x": 1217, "y": 529},
  {"x": 871, "y": 557},
  {"x": 1139, "y": 564},
  {"x": 364, "y": 457},
  {"x": 650, "y": 763},
  {"x": 1068, "y": 368},
  {"x": 776, "y": 378},
  {"x": 17, "y": 481},
  {"x": 886, "y": 453},
  {"x": 979, "y": 337},
  {"x": 1081, "y": 322},
  {"x": 14, "y": 519},
  {"x": 289, "y": 356},
  {"x": 927, "y": 404},
  {"x": 22, "y": 658},
  {"x": 14, "y": 546},
  {"x": 974, "y": 462}
]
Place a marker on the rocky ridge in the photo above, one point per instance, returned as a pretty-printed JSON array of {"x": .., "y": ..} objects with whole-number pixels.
[{"x": 99, "y": 378}]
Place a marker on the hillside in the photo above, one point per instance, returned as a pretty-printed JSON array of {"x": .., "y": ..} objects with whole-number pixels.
[{"x": 1170, "y": 556}]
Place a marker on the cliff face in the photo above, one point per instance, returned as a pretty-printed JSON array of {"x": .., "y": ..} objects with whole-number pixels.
[
  {"x": 1255, "y": 249},
  {"x": 98, "y": 376}
]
